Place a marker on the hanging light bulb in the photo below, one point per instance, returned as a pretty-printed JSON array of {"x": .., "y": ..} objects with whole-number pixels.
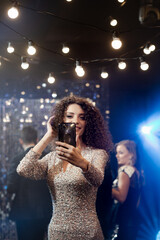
[
  {"x": 13, "y": 12},
  {"x": 121, "y": 65},
  {"x": 149, "y": 48},
  {"x": 152, "y": 47},
  {"x": 79, "y": 69},
  {"x": 31, "y": 49},
  {"x": 65, "y": 49},
  {"x": 51, "y": 79},
  {"x": 113, "y": 22},
  {"x": 10, "y": 48},
  {"x": 104, "y": 74},
  {"x": 121, "y": 1},
  {"x": 146, "y": 49},
  {"x": 116, "y": 42},
  {"x": 143, "y": 65},
  {"x": 24, "y": 64}
]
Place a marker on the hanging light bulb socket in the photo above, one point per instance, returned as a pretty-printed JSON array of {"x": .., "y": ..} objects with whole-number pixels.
[
  {"x": 51, "y": 79},
  {"x": 146, "y": 49},
  {"x": 31, "y": 49},
  {"x": 10, "y": 48},
  {"x": 143, "y": 64},
  {"x": 79, "y": 69},
  {"x": 116, "y": 42},
  {"x": 24, "y": 63}
]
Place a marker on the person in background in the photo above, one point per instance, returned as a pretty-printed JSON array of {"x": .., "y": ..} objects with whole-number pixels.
[
  {"x": 126, "y": 190},
  {"x": 31, "y": 207},
  {"x": 73, "y": 173}
]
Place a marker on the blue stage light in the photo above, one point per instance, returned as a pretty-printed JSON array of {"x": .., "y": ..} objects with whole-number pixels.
[
  {"x": 146, "y": 129},
  {"x": 149, "y": 132},
  {"x": 158, "y": 236}
]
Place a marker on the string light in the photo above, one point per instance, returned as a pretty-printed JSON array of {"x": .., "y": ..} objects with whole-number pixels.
[
  {"x": 149, "y": 48},
  {"x": 10, "y": 48},
  {"x": 31, "y": 49},
  {"x": 51, "y": 79},
  {"x": 79, "y": 69},
  {"x": 104, "y": 74},
  {"x": 143, "y": 65},
  {"x": 121, "y": 65},
  {"x": 13, "y": 12},
  {"x": 113, "y": 22},
  {"x": 24, "y": 64},
  {"x": 116, "y": 42},
  {"x": 121, "y": 1},
  {"x": 146, "y": 50},
  {"x": 65, "y": 49},
  {"x": 152, "y": 47}
]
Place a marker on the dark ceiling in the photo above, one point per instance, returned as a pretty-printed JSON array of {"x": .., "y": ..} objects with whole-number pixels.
[{"x": 84, "y": 26}]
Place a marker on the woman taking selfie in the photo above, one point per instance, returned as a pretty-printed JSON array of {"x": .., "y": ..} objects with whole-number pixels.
[{"x": 73, "y": 173}]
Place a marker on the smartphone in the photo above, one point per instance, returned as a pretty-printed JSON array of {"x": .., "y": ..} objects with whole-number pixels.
[{"x": 67, "y": 133}]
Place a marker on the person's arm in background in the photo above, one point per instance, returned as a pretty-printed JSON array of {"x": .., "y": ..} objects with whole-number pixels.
[
  {"x": 120, "y": 193},
  {"x": 12, "y": 176}
]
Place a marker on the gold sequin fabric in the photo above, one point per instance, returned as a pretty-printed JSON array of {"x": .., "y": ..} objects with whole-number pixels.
[{"x": 73, "y": 193}]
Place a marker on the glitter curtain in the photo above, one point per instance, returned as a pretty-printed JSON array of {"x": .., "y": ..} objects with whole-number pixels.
[{"x": 14, "y": 114}]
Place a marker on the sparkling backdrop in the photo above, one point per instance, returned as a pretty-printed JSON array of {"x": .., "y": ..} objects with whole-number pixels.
[{"x": 14, "y": 114}]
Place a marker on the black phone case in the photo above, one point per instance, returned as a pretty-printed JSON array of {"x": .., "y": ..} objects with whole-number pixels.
[{"x": 67, "y": 133}]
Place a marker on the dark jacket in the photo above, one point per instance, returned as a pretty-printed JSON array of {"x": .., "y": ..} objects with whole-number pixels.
[
  {"x": 104, "y": 202},
  {"x": 32, "y": 198}
]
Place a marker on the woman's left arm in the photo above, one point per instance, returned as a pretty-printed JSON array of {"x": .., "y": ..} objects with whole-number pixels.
[
  {"x": 120, "y": 193},
  {"x": 96, "y": 168}
]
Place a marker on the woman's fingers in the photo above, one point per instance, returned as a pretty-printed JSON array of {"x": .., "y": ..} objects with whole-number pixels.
[{"x": 64, "y": 145}]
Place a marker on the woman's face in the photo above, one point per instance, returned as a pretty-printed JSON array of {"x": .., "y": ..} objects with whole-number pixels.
[
  {"x": 123, "y": 155},
  {"x": 75, "y": 114}
]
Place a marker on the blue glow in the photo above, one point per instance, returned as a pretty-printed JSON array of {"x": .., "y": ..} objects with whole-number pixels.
[
  {"x": 158, "y": 236},
  {"x": 150, "y": 135},
  {"x": 146, "y": 129}
]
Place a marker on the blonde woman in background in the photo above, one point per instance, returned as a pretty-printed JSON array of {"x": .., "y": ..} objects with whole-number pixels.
[{"x": 126, "y": 190}]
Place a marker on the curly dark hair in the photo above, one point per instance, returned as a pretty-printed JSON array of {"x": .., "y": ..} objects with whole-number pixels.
[{"x": 96, "y": 132}]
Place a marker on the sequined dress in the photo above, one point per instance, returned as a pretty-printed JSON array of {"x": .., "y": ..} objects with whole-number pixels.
[{"x": 73, "y": 193}]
